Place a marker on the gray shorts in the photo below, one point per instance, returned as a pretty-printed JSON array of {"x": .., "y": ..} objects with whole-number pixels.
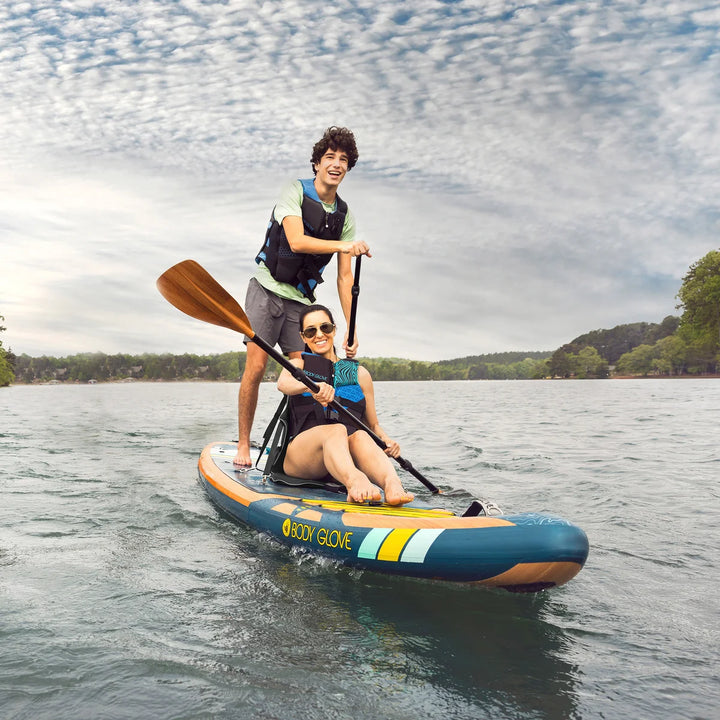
[{"x": 275, "y": 319}]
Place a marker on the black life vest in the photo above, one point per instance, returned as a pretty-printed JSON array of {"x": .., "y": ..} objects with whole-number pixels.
[
  {"x": 306, "y": 413},
  {"x": 302, "y": 270}
]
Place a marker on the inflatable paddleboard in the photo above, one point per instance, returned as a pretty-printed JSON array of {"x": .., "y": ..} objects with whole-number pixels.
[{"x": 524, "y": 552}]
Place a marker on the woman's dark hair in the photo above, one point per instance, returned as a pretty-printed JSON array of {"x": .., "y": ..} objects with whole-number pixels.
[
  {"x": 311, "y": 309},
  {"x": 335, "y": 138}
]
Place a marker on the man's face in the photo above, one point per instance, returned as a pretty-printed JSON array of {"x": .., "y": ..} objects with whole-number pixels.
[{"x": 332, "y": 167}]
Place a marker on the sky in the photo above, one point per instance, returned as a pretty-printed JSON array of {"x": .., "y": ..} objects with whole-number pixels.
[{"x": 528, "y": 172}]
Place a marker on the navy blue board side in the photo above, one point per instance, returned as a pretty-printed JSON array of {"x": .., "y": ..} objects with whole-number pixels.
[
  {"x": 524, "y": 552},
  {"x": 467, "y": 555}
]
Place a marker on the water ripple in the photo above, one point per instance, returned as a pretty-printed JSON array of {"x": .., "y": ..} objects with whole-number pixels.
[{"x": 134, "y": 597}]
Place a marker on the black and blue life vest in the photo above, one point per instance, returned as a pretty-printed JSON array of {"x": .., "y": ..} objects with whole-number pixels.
[
  {"x": 305, "y": 412},
  {"x": 303, "y": 270}
]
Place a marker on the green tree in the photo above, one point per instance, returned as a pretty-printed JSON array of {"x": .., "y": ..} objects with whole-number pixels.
[
  {"x": 224, "y": 367},
  {"x": 496, "y": 371},
  {"x": 699, "y": 298},
  {"x": 6, "y": 370},
  {"x": 561, "y": 364},
  {"x": 541, "y": 369},
  {"x": 478, "y": 372},
  {"x": 666, "y": 328},
  {"x": 589, "y": 364},
  {"x": 702, "y": 355},
  {"x": 613, "y": 343},
  {"x": 670, "y": 355},
  {"x": 523, "y": 369},
  {"x": 639, "y": 361}
]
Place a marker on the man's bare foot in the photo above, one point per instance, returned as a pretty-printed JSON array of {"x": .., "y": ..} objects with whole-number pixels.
[
  {"x": 361, "y": 490},
  {"x": 242, "y": 459},
  {"x": 395, "y": 494}
]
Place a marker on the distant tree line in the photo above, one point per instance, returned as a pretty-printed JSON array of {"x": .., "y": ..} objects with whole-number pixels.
[
  {"x": 99, "y": 367},
  {"x": 685, "y": 345},
  {"x": 597, "y": 353},
  {"x": 500, "y": 366}
]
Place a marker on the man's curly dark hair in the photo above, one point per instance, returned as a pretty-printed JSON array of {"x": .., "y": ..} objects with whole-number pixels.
[{"x": 335, "y": 138}]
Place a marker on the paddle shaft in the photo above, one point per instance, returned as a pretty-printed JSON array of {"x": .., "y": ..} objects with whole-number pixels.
[
  {"x": 354, "y": 302},
  {"x": 301, "y": 376}
]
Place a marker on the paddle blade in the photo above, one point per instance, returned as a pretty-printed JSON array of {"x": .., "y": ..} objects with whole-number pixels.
[{"x": 192, "y": 290}]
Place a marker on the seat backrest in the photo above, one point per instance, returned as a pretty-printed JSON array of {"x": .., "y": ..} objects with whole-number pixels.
[{"x": 276, "y": 441}]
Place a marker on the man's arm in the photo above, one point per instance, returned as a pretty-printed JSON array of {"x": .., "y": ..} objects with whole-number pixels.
[
  {"x": 301, "y": 243},
  {"x": 344, "y": 285}
]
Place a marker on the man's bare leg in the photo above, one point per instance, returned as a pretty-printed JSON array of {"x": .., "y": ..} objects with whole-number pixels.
[{"x": 255, "y": 364}]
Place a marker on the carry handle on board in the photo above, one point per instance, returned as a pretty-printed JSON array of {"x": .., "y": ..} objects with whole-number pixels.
[{"x": 191, "y": 289}]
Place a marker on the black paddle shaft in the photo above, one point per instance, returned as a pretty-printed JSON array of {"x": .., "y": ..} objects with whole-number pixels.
[
  {"x": 302, "y": 377},
  {"x": 354, "y": 301}
]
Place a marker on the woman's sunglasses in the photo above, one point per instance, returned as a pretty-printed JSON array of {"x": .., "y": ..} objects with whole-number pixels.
[{"x": 325, "y": 328}]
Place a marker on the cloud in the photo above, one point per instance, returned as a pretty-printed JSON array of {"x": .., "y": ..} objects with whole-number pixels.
[{"x": 526, "y": 172}]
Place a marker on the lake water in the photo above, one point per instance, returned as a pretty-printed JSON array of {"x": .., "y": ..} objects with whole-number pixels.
[{"x": 125, "y": 594}]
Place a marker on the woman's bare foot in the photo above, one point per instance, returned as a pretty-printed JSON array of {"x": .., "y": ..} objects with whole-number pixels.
[
  {"x": 395, "y": 493},
  {"x": 360, "y": 490}
]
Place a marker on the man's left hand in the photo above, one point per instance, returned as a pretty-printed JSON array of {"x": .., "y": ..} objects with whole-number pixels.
[{"x": 351, "y": 351}]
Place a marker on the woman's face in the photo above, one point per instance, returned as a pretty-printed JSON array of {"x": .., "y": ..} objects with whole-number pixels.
[{"x": 321, "y": 330}]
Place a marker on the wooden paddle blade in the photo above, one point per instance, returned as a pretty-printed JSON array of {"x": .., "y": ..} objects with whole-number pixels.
[{"x": 192, "y": 290}]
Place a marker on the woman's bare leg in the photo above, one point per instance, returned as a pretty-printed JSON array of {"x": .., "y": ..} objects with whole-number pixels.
[
  {"x": 378, "y": 468},
  {"x": 324, "y": 449}
]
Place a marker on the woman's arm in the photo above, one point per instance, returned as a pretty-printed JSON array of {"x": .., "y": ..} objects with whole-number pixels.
[{"x": 287, "y": 384}]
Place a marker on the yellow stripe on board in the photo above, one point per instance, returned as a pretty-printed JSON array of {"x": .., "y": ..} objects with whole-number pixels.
[
  {"x": 394, "y": 543},
  {"x": 383, "y": 509}
]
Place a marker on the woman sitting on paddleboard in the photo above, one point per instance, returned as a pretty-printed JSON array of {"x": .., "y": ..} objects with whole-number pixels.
[{"x": 321, "y": 443}]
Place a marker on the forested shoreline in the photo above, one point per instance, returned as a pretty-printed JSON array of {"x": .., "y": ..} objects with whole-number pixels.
[
  {"x": 633, "y": 350},
  {"x": 228, "y": 367},
  {"x": 686, "y": 346}
]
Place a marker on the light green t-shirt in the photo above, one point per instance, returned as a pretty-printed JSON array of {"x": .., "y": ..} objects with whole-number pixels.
[{"x": 290, "y": 204}]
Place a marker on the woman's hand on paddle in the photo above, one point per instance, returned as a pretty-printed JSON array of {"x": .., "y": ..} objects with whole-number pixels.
[
  {"x": 392, "y": 449},
  {"x": 325, "y": 395}
]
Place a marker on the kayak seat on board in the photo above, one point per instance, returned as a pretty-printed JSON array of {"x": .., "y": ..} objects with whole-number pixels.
[{"x": 275, "y": 440}]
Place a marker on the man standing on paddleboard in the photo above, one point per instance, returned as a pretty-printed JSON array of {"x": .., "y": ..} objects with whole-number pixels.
[{"x": 309, "y": 224}]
